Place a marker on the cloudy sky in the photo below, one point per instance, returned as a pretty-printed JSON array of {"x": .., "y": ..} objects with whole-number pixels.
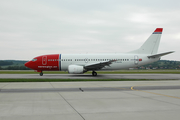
[{"x": 29, "y": 28}]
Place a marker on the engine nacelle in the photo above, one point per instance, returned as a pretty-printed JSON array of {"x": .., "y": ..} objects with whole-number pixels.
[{"x": 75, "y": 69}]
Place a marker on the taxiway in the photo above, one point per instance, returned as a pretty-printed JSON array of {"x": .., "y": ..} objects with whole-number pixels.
[
  {"x": 89, "y": 76},
  {"x": 137, "y": 100}
]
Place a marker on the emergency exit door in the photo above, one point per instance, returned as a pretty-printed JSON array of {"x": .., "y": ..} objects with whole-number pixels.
[{"x": 136, "y": 60}]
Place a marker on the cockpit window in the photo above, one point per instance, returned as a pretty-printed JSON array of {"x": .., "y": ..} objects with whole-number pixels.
[{"x": 33, "y": 59}]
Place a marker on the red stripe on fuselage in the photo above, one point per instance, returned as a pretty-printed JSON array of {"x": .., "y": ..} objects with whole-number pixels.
[{"x": 48, "y": 62}]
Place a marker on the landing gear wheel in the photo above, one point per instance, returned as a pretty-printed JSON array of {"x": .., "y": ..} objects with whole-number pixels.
[
  {"x": 94, "y": 73},
  {"x": 41, "y": 74}
]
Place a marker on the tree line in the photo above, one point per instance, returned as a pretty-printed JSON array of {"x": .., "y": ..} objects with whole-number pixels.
[
  {"x": 3, "y": 63},
  {"x": 161, "y": 64},
  {"x": 13, "y": 65},
  {"x": 15, "y": 68}
]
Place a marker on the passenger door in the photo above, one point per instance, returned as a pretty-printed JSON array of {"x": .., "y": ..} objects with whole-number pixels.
[{"x": 44, "y": 60}]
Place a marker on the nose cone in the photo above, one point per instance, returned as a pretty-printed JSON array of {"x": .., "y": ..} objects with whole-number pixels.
[{"x": 28, "y": 64}]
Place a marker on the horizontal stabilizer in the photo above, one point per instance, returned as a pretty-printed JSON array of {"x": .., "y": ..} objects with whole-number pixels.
[{"x": 160, "y": 54}]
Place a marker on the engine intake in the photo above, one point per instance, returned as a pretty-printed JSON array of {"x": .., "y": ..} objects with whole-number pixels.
[{"x": 75, "y": 69}]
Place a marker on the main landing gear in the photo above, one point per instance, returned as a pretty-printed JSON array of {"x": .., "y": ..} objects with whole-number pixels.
[
  {"x": 94, "y": 73},
  {"x": 41, "y": 73}
]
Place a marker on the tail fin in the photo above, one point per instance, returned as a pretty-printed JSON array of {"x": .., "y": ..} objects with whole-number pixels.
[{"x": 152, "y": 43}]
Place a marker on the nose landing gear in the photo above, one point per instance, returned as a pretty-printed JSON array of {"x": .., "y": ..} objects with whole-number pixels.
[
  {"x": 94, "y": 73},
  {"x": 41, "y": 73}
]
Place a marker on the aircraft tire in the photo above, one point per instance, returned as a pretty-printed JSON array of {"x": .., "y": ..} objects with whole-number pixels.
[
  {"x": 94, "y": 73},
  {"x": 41, "y": 74}
]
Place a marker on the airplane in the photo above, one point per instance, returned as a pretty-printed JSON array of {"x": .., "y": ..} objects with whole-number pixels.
[{"x": 81, "y": 63}]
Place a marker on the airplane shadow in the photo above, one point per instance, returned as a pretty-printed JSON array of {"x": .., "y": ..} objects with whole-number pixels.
[
  {"x": 86, "y": 76},
  {"x": 68, "y": 75}
]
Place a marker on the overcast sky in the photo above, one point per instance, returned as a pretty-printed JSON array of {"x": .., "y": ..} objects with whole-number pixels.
[{"x": 29, "y": 28}]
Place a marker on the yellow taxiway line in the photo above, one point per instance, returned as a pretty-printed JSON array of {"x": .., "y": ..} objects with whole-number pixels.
[{"x": 132, "y": 88}]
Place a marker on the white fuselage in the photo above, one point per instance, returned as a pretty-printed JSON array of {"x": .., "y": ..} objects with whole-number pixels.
[{"x": 122, "y": 61}]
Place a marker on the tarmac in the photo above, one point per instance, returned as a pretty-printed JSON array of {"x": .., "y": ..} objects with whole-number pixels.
[
  {"x": 89, "y": 76},
  {"x": 98, "y": 100}
]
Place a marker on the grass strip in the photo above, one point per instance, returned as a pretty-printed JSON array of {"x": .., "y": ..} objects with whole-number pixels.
[{"x": 70, "y": 80}]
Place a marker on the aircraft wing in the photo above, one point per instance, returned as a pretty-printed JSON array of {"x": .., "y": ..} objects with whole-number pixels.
[
  {"x": 98, "y": 65},
  {"x": 160, "y": 54}
]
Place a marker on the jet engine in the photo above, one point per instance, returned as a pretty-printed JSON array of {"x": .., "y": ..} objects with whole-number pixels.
[{"x": 75, "y": 69}]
